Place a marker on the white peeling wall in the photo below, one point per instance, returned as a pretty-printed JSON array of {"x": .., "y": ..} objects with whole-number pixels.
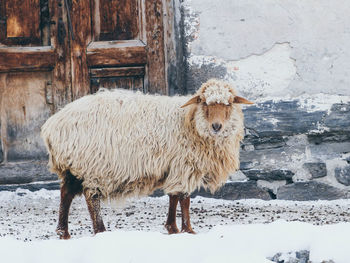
[
  {"x": 257, "y": 76},
  {"x": 292, "y": 58},
  {"x": 282, "y": 47}
]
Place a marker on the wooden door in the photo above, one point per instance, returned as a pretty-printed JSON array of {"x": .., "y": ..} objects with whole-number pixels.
[
  {"x": 55, "y": 51},
  {"x": 124, "y": 44}
]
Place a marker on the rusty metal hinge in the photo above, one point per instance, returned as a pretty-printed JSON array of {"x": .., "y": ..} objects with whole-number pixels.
[{"x": 48, "y": 93}]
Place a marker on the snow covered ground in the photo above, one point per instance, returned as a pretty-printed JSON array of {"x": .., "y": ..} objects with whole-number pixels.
[{"x": 228, "y": 231}]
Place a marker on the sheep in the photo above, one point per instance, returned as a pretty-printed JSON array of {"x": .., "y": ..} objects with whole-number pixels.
[{"x": 119, "y": 144}]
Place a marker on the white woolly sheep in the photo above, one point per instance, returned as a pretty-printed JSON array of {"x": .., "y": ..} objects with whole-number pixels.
[{"x": 119, "y": 144}]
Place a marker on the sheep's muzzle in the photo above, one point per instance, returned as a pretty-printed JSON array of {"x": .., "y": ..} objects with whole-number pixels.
[{"x": 217, "y": 114}]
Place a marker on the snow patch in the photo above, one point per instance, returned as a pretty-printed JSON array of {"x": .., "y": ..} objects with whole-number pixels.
[
  {"x": 252, "y": 243},
  {"x": 238, "y": 176},
  {"x": 19, "y": 194},
  {"x": 310, "y": 102},
  {"x": 321, "y": 101},
  {"x": 273, "y": 121}
]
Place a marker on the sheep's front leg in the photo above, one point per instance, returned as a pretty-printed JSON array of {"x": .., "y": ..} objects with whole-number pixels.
[
  {"x": 170, "y": 224},
  {"x": 185, "y": 211},
  {"x": 94, "y": 207}
]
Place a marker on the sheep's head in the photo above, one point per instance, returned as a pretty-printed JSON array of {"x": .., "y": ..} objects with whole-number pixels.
[{"x": 217, "y": 109}]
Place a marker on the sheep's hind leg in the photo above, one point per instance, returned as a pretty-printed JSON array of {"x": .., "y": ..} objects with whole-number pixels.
[
  {"x": 170, "y": 224},
  {"x": 70, "y": 187},
  {"x": 185, "y": 211},
  {"x": 94, "y": 207}
]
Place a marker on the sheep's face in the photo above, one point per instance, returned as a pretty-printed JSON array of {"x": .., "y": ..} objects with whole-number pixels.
[
  {"x": 215, "y": 116},
  {"x": 217, "y": 113},
  {"x": 218, "y": 120}
]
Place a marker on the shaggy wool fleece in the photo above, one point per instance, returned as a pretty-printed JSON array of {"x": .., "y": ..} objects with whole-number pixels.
[{"x": 124, "y": 144}]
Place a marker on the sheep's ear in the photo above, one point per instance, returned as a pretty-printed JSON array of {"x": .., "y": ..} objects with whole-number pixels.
[
  {"x": 240, "y": 100},
  {"x": 195, "y": 99}
]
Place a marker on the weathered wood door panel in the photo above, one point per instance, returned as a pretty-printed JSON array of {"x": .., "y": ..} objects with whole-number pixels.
[
  {"x": 117, "y": 64},
  {"x": 27, "y": 62},
  {"x": 116, "y": 19},
  {"x": 122, "y": 53},
  {"x": 23, "y": 110},
  {"x": 55, "y": 51},
  {"x": 24, "y": 22},
  {"x": 24, "y": 36},
  {"x": 121, "y": 77}
]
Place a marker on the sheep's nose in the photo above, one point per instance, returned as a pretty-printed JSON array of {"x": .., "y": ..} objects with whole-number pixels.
[{"x": 216, "y": 126}]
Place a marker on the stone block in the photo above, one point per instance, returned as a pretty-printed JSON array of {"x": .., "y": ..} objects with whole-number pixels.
[
  {"x": 236, "y": 191},
  {"x": 316, "y": 169},
  {"x": 25, "y": 172},
  {"x": 301, "y": 256},
  {"x": 231, "y": 191},
  {"x": 305, "y": 191},
  {"x": 32, "y": 187},
  {"x": 273, "y": 175},
  {"x": 343, "y": 175}
]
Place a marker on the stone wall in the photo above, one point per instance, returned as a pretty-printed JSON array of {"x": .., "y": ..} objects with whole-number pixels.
[{"x": 291, "y": 58}]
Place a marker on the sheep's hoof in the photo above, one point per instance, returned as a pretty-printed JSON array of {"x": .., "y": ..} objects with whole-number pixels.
[
  {"x": 100, "y": 230},
  {"x": 172, "y": 229},
  {"x": 188, "y": 230},
  {"x": 63, "y": 234}
]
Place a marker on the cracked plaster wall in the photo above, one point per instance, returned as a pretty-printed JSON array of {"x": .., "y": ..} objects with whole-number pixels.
[{"x": 312, "y": 36}]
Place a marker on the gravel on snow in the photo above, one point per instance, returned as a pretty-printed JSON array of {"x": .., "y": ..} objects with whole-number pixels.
[{"x": 29, "y": 216}]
